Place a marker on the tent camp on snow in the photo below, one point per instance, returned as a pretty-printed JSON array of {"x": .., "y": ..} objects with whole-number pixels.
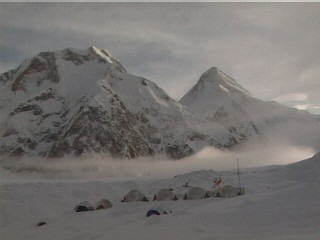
[
  {"x": 165, "y": 194},
  {"x": 223, "y": 192},
  {"x": 135, "y": 196}
]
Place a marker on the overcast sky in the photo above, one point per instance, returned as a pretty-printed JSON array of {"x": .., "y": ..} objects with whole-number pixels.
[{"x": 271, "y": 49}]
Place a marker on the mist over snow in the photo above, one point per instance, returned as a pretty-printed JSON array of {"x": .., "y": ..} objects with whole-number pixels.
[{"x": 103, "y": 167}]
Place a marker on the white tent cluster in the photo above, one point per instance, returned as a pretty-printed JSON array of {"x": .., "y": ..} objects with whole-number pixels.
[
  {"x": 193, "y": 193},
  {"x": 166, "y": 194}
]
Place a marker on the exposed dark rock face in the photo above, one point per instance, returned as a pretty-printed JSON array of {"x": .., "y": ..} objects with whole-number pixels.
[
  {"x": 179, "y": 151},
  {"x": 95, "y": 131}
]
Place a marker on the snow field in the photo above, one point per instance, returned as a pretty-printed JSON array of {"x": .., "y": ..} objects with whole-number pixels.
[{"x": 281, "y": 202}]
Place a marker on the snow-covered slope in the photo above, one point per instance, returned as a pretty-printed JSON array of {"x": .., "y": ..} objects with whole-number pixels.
[
  {"x": 280, "y": 202},
  {"x": 83, "y": 101},
  {"x": 219, "y": 98}
]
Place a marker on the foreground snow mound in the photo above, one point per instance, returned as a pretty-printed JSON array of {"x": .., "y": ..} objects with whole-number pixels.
[{"x": 281, "y": 202}]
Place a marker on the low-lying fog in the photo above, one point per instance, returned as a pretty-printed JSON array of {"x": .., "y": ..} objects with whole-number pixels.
[{"x": 104, "y": 167}]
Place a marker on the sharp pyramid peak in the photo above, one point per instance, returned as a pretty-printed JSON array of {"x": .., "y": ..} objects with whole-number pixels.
[
  {"x": 214, "y": 70},
  {"x": 217, "y": 77},
  {"x": 214, "y": 74}
]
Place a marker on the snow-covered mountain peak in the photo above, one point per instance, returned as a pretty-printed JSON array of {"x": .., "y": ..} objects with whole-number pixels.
[
  {"x": 213, "y": 90},
  {"x": 219, "y": 79},
  {"x": 212, "y": 70},
  {"x": 47, "y": 92},
  {"x": 219, "y": 98},
  {"x": 78, "y": 56},
  {"x": 99, "y": 51},
  {"x": 77, "y": 68},
  {"x": 76, "y": 101}
]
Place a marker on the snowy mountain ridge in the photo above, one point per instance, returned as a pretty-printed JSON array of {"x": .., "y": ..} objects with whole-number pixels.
[
  {"x": 84, "y": 102},
  {"x": 220, "y": 99}
]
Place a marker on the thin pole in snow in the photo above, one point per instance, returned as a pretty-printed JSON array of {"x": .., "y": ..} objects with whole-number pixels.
[{"x": 238, "y": 173}]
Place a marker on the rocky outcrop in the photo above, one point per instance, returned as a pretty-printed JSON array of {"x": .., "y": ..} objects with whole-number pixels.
[{"x": 94, "y": 130}]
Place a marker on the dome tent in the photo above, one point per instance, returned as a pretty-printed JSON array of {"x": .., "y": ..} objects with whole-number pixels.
[
  {"x": 165, "y": 195},
  {"x": 135, "y": 196},
  {"x": 195, "y": 193},
  {"x": 229, "y": 191},
  {"x": 83, "y": 207},
  {"x": 158, "y": 210},
  {"x": 103, "y": 204}
]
